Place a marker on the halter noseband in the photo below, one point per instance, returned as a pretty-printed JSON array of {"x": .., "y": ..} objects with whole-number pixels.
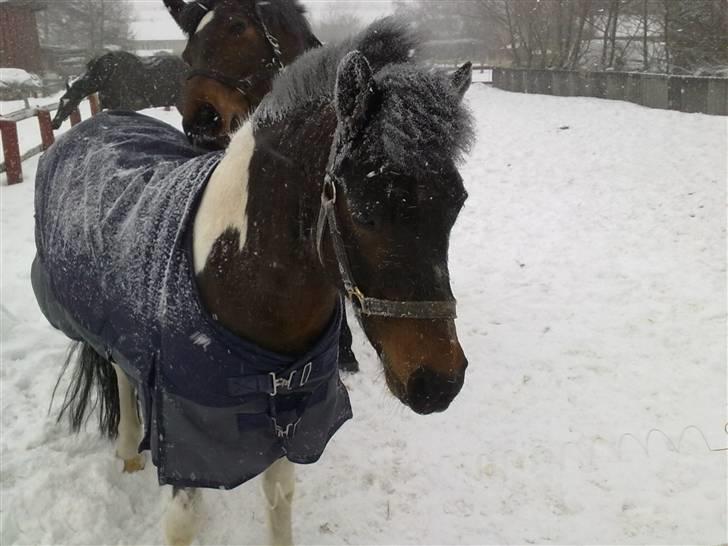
[
  {"x": 244, "y": 86},
  {"x": 365, "y": 305}
]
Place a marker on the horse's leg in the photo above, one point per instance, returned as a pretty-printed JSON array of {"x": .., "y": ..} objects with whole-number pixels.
[
  {"x": 130, "y": 429},
  {"x": 278, "y": 485},
  {"x": 181, "y": 522}
]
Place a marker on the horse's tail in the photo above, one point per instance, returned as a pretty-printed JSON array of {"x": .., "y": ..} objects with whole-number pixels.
[{"x": 93, "y": 385}]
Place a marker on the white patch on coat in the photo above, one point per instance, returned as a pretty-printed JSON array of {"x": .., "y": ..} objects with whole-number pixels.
[
  {"x": 209, "y": 16},
  {"x": 225, "y": 199},
  {"x": 130, "y": 429},
  {"x": 278, "y": 485},
  {"x": 182, "y": 518}
]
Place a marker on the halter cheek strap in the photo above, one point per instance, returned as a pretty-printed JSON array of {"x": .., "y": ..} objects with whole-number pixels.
[
  {"x": 365, "y": 305},
  {"x": 277, "y": 57}
]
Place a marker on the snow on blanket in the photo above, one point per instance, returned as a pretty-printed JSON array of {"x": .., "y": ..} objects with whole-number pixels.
[{"x": 590, "y": 268}]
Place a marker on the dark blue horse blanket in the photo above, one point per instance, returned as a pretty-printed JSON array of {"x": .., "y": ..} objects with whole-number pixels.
[{"x": 115, "y": 200}]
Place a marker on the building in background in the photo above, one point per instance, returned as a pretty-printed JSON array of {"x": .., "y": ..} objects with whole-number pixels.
[
  {"x": 154, "y": 31},
  {"x": 19, "y": 40}
]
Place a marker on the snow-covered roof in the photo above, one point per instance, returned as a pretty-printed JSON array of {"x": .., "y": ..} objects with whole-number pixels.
[{"x": 17, "y": 77}]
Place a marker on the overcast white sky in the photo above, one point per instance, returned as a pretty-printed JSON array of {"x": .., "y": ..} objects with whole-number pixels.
[{"x": 155, "y": 23}]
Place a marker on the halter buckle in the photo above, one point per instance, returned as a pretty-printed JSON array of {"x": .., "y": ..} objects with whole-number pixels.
[
  {"x": 357, "y": 297},
  {"x": 328, "y": 193}
]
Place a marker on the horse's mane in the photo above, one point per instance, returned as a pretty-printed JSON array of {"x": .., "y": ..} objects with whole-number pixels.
[
  {"x": 289, "y": 14},
  {"x": 421, "y": 126},
  {"x": 312, "y": 77}
]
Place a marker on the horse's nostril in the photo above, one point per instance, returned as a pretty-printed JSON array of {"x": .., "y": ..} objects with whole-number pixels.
[
  {"x": 207, "y": 118},
  {"x": 429, "y": 391}
]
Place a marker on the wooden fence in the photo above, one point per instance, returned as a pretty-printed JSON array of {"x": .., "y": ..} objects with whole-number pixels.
[
  {"x": 683, "y": 93},
  {"x": 13, "y": 163}
]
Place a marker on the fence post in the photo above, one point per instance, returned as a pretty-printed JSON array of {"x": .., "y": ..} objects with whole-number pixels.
[
  {"x": 93, "y": 101},
  {"x": 75, "y": 117},
  {"x": 46, "y": 130},
  {"x": 11, "y": 149}
]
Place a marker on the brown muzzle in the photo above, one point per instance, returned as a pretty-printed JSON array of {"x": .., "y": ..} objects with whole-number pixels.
[{"x": 211, "y": 111}]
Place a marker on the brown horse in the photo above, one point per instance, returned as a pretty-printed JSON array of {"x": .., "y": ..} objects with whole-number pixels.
[
  {"x": 345, "y": 179},
  {"x": 235, "y": 49}
]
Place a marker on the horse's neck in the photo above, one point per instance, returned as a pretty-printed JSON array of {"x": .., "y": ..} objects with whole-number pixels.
[
  {"x": 254, "y": 250},
  {"x": 83, "y": 87}
]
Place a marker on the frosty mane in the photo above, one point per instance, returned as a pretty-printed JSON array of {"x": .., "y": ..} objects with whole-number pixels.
[
  {"x": 312, "y": 77},
  {"x": 422, "y": 125}
]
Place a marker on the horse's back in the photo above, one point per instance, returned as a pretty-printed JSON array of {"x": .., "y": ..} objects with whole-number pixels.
[{"x": 106, "y": 193}]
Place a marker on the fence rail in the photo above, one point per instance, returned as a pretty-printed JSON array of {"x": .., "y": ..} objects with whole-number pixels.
[
  {"x": 683, "y": 93},
  {"x": 13, "y": 164}
]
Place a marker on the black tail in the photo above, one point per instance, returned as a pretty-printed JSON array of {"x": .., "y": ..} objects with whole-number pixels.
[{"x": 93, "y": 385}]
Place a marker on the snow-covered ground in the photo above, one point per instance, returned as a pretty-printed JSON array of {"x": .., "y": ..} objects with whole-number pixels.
[
  {"x": 19, "y": 80},
  {"x": 590, "y": 266}
]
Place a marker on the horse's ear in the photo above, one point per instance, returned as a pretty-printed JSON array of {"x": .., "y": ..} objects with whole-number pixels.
[
  {"x": 175, "y": 8},
  {"x": 462, "y": 78},
  {"x": 355, "y": 89},
  {"x": 68, "y": 85}
]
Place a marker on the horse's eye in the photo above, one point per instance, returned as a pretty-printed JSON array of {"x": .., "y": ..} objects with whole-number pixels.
[
  {"x": 367, "y": 218},
  {"x": 238, "y": 28},
  {"x": 364, "y": 220}
]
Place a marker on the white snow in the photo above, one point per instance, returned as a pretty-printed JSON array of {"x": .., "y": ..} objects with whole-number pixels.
[
  {"x": 590, "y": 266},
  {"x": 17, "y": 77}
]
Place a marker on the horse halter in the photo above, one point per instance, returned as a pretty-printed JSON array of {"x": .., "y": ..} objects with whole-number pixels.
[
  {"x": 244, "y": 86},
  {"x": 365, "y": 305}
]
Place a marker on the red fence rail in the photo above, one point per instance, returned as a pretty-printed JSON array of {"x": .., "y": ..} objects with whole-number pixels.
[{"x": 13, "y": 164}]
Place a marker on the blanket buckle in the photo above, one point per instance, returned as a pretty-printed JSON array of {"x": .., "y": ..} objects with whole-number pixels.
[{"x": 286, "y": 432}]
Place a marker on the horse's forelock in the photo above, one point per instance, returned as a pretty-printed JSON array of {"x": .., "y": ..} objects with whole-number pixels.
[
  {"x": 193, "y": 13},
  {"x": 423, "y": 125}
]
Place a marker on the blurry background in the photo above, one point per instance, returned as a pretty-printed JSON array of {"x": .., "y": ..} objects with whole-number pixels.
[{"x": 56, "y": 37}]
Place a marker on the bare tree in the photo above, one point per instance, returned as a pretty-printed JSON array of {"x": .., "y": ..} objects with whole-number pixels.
[
  {"x": 336, "y": 26},
  {"x": 696, "y": 35},
  {"x": 543, "y": 33},
  {"x": 91, "y": 25},
  {"x": 680, "y": 35}
]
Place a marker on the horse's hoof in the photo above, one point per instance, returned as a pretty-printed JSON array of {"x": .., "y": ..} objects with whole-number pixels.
[{"x": 135, "y": 464}]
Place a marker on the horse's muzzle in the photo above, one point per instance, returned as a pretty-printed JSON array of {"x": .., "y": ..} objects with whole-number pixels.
[
  {"x": 205, "y": 129},
  {"x": 429, "y": 391}
]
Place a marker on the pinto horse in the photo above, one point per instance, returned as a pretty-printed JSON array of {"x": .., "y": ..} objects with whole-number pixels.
[
  {"x": 210, "y": 284},
  {"x": 125, "y": 82},
  {"x": 235, "y": 49}
]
